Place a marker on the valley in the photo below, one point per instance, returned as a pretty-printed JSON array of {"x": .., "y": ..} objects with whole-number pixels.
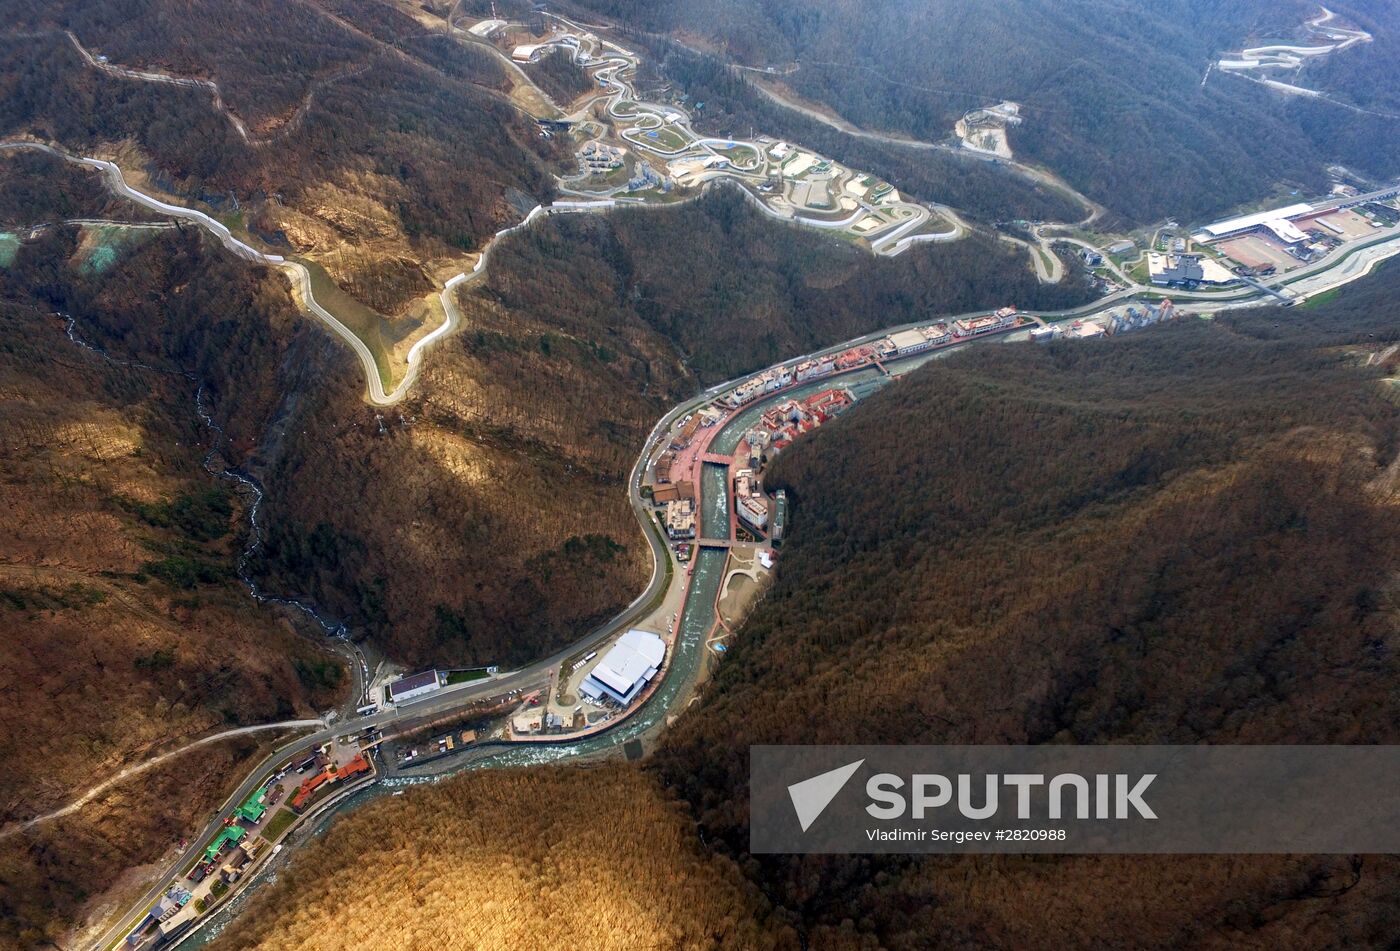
[
  {"x": 680, "y": 607},
  {"x": 620, "y": 439},
  {"x": 696, "y": 753},
  {"x": 784, "y": 181}
]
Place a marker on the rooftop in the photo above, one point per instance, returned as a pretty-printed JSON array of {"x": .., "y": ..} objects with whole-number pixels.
[
  {"x": 1253, "y": 221},
  {"x": 413, "y": 682},
  {"x": 632, "y": 661}
]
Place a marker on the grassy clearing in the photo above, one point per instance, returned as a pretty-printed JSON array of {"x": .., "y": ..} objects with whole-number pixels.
[
  {"x": 663, "y": 138},
  {"x": 278, "y": 825},
  {"x": 740, "y": 155},
  {"x": 362, "y": 321}
]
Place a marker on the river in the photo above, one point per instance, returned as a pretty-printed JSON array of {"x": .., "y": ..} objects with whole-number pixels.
[{"x": 689, "y": 652}]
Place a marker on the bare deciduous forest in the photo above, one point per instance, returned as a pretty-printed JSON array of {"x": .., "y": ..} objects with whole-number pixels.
[
  {"x": 557, "y": 75},
  {"x": 563, "y": 858},
  {"x": 367, "y": 150},
  {"x": 1112, "y": 92},
  {"x": 1184, "y": 535},
  {"x": 638, "y": 309}
]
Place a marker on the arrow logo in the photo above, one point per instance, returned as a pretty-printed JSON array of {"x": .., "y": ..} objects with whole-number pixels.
[{"x": 811, "y": 796}]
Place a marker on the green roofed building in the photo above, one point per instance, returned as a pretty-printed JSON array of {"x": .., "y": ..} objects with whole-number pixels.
[
  {"x": 253, "y": 809},
  {"x": 231, "y": 835}
]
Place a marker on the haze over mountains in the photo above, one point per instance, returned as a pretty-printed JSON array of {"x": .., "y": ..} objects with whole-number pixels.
[{"x": 1112, "y": 90}]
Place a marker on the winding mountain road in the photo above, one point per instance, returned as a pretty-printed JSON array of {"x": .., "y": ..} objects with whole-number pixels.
[
  {"x": 1095, "y": 210},
  {"x": 610, "y": 63},
  {"x": 298, "y": 274},
  {"x": 539, "y": 673},
  {"x": 137, "y": 768}
]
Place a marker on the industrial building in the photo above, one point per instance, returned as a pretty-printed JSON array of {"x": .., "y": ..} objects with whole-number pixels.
[
  {"x": 529, "y": 53},
  {"x": 415, "y": 686},
  {"x": 1166, "y": 270},
  {"x": 626, "y": 669}
]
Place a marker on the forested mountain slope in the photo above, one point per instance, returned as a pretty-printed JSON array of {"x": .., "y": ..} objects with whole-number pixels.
[
  {"x": 485, "y": 520},
  {"x": 1366, "y": 75},
  {"x": 1185, "y": 535},
  {"x": 1112, "y": 91},
  {"x": 344, "y": 131},
  {"x": 407, "y": 524},
  {"x": 734, "y": 107},
  {"x": 128, "y": 625},
  {"x": 125, "y": 630},
  {"x": 515, "y": 859}
]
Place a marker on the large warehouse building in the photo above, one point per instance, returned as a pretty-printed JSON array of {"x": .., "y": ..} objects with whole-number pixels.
[
  {"x": 1277, "y": 221},
  {"x": 415, "y": 686},
  {"x": 627, "y": 668}
]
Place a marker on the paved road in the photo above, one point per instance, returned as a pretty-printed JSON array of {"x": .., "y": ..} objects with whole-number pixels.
[
  {"x": 141, "y": 767},
  {"x": 539, "y": 673},
  {"x": 1020, "y": 168},
  {"x": 531, "y": 676},
  {"x": 612, "y": 64},
  {"x": 442, "y": 702}
]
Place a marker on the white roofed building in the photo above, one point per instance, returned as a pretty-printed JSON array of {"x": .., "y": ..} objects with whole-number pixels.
[
  {"x": 1286, "y": 231},
  {"x": 909, "y": 341},
  {"x": 415, "y": 686},
  {"x": 1234, "y": 226},
  {"x": 625, "y": 669},
  {"x": 487, "y": 28},
  {"x": 529, "y": 52}
]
